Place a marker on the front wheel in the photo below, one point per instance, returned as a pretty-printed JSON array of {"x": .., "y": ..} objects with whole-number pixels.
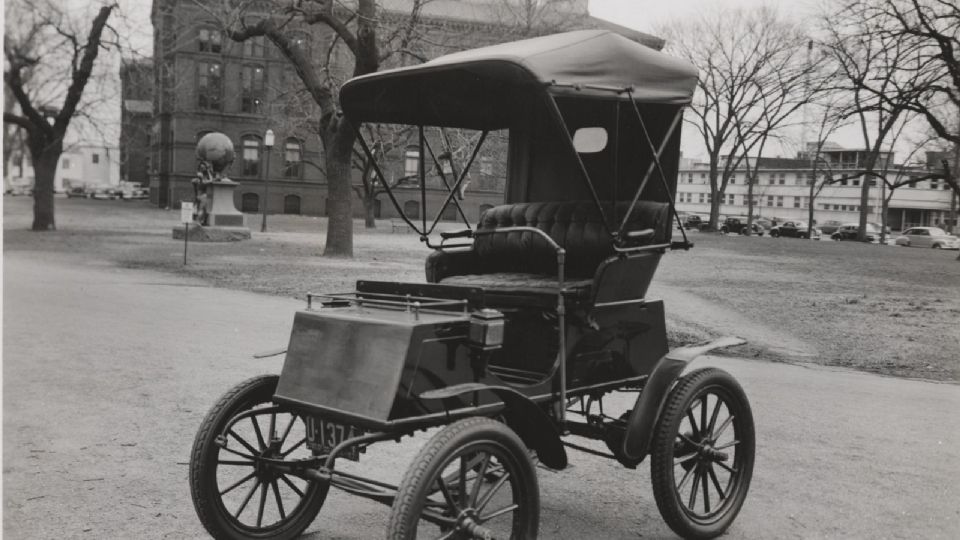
[
  {"x": 936, "y": 246},
  {"x": 702, "y": 454},
  {"x": 237, "y": 491},
  {"x": 473, "y": 479},
  {"x": 775, "y": 234}
]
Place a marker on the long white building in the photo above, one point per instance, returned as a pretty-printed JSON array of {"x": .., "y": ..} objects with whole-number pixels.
[{"x": 782, "y": 192}]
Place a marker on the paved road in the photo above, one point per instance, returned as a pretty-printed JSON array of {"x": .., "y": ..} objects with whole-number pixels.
[{"x": 107, "y": 373}]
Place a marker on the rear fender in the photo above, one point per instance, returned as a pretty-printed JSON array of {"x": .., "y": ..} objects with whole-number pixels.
[
  {"x": 646, "y": 410},
  {"x": 525, "y": 417}
]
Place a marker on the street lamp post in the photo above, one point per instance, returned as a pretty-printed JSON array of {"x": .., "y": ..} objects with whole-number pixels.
[{"x": 268, "y": 144}]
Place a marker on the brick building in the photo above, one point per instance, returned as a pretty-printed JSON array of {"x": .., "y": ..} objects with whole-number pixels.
[
  {"x": 206, "y": 82},
  {"x": 136, "y": 120}
]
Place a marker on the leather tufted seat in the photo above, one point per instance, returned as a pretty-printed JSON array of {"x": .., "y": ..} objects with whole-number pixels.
[{"x": 521, "y": 262}]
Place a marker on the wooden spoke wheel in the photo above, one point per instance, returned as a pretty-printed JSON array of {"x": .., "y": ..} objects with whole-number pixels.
[
  {"x": 474, "y": 479},
  {"x": 237, "y": 489},
  {"x": 702, "y": 454}
]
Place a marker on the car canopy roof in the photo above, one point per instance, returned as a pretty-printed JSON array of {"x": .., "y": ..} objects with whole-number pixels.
[{"x": 488, "y": 88}]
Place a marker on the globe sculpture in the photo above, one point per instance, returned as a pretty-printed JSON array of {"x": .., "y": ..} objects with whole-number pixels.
[
  {"x": 216, "y": 150},
  {"x": 215, "y": 215}
]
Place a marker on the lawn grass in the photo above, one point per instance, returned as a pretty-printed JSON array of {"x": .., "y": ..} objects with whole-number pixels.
[{"x": 884, "y": 309}]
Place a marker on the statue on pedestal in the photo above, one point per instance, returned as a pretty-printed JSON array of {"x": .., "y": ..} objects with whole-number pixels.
[{"x": 215, "y": 216}]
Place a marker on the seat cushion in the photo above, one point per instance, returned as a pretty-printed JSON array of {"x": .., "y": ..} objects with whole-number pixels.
[
  {"x": 519, "y": 283},
  {"x": 577, "y": 226}
]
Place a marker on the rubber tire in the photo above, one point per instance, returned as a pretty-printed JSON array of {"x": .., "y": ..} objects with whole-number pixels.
[
  {"x": 417, "y": 481},
  {"x": 724, "y": 230},
  {"x": 687, "y": 389},
  {"x": 935, "y": 246},
  {"x": 203, "y": 485},
  {"x": 775, "y": 234}
]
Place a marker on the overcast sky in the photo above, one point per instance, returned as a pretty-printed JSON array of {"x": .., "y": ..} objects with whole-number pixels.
[{"x": 643, "y": 15}]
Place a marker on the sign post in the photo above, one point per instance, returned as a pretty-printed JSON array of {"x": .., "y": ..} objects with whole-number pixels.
[{"x": 186, "y": 217}]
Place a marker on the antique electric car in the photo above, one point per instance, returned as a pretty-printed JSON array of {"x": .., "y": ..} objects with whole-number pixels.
[{"x": 526, "y": 324}]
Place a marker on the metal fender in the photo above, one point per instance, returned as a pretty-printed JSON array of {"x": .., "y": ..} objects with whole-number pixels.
[
  {"x": 646, "y": 410},
  {"x": 523, "y": 416}
]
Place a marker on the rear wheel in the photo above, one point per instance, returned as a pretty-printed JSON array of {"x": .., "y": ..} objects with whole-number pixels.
[
  {"x": 775, "y": 233},
  {"x": 702, "y": 454},
  {"x": 236, "y": 492},
  {"x": 473, "y": 479},
  {"x": 936, "y": 246},
  {"x": 724, "y": 230}
]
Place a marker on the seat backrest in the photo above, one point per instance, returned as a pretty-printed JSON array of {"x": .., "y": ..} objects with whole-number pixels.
[{"x": 576, "y": 226}]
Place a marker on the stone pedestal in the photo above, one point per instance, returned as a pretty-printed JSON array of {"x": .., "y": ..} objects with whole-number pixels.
[
  {"x": 212, "y": 233},
  {"x": 222, "y": 211}
]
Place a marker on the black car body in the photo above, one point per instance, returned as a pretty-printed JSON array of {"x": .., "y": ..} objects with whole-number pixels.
[
  {"x": 738, "y": 225},
  {"x": 794, "y": 229}
]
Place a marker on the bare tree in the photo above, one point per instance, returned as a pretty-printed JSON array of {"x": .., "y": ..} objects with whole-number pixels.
[
  {"x": 49, "y": 62},
  {"x": 749, "y": 60},
  {"x": 359, "y": 28},
  {"x": 884, "y": 75}
]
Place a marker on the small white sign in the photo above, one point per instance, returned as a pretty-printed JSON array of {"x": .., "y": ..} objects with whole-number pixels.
[{"x": 186, "y": 212}]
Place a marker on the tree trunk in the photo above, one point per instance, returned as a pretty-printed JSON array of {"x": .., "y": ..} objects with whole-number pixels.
[
  {"x": 370, "y": 206},
  {"x": 864, "y": 204},
  {"x": 44, "y": 169},
  {"x": 339, "y": 192}
]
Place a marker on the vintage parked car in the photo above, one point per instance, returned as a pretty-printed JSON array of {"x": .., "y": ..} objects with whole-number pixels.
[
  {"x": 928, "y": 237},
  {"x": 830, "y": 226},
  {"x": 848, "y": 231},
  {"x": 103, "y": 193},
  {"x": 526, "y": 322},
  {"x": 794, "y": 229},
  {"x": 738, "y": 225},
  {"x": 77, "y": 192},
  {"x": 692, "y": 221}
]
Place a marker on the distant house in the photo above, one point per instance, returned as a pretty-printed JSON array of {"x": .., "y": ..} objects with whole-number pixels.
[{"x": 84, "y": 165}]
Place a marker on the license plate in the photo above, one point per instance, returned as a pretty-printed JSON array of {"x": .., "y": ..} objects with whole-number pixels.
[{"x": 323, "y": 436}]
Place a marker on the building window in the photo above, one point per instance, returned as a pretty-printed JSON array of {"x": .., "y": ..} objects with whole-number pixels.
[
  {"x": 250, "y": 203},
  {"x": 796, "y": 202},
  {"x": 769, "y": 200},
  {"x": 486, "y": 166},
  {"x": 251, "y": 156},
  {"x": 66, "y": 163},
  {"x": 95, "y": 158},
  {"x": 209, "y": 40},
  {"x": 733, "y": 178},
  {"x": 703, "y": 175},
  {"x": 783, "y": 178},
  {"x": 690, "y": 178},
  {"x": 292, "y": 158},
  {"x": 253, "y": 47},
  {"x": 251, "y": 89},
  {"x": 836, "y": 207},
  {"x": 702, "y": 198},
  {"x": 780, "y": 199},
  {"x": 209, "y": 82},
  {"x": 411, "y": 162},
  {"x": 411, "y": 209},
  {"x": 856, "y": 182},
  {"x": 291, "y": 205},
  {"x": 730, "y": 198}
]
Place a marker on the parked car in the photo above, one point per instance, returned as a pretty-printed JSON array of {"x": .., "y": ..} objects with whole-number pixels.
[
  {"x": 130, "y": 192},
  {"x": 738, "y": 225},
  {"x": 77, "y": 192},
  {"x": 928, "y": 237},
  {"x": 692, "y": 221},
  {"x": 764, "y": 223},
  {"x": 795, "y": 229},
  {"x": 848, "y": 231},
  {"x": 103, "y": 193},
  {"x": 830, "y": 226}
]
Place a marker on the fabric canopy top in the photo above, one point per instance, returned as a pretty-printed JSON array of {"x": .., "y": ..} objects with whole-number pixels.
[{"x": 491, "y": 87}]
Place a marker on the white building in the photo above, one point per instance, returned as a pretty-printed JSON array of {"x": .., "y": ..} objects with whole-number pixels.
[
  {"x": 782, "y": 192},
  {"x": 81, "y": 165}
]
